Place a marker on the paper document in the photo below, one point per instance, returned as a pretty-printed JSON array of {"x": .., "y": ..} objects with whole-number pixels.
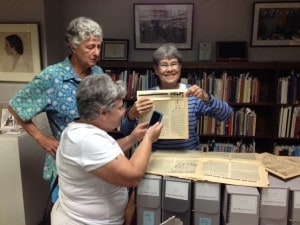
[
  {"x": 174, "y": 106},
  {"x": 281, "y": 166},
  {"x": 231, "y": 168},
  {"x": 172, "y": 221}
]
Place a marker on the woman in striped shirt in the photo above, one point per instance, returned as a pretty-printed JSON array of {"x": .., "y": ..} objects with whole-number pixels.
[{"x": 167, "y": 62}]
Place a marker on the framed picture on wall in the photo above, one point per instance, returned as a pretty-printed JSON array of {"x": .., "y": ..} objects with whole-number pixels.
[
  {"x": 276, "y": 24},
  {"x": 114, "y": 49},
  {"x": 19, "y": 51},
  {"x": 156, "y": 24}
]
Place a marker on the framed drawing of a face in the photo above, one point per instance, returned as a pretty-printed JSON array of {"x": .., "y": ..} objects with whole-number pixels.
[{"x": 19, "y": 52}]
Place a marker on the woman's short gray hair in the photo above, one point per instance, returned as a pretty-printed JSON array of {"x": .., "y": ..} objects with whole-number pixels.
[
  {"x": 97, "y": 92},
  {"x": 166, "y": 51},
  {"x": 81, "y": 29}
]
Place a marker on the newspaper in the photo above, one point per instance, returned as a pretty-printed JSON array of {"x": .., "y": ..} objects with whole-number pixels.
[
  {"x": 231, "y": 168},
  {"x": 281, "y": 166},
  {"x": 172, "y": 221},
  {"x": 174, "y": 106}
]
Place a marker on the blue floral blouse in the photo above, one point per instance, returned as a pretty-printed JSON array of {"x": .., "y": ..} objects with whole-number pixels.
[{"x": 52, "y": 91}]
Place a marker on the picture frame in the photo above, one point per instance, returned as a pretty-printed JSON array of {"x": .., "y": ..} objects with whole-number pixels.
[
  {"x": 114, "y": 49},
  {"x": 156, "y": 24},
  {"x": 276, "y": 24},
  {"x": 20, "y": 58}
]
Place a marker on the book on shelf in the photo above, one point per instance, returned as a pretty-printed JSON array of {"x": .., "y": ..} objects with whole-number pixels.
[
  {"x": 218, "y": 88},
  {"x": 288, "y": 122},
  {"x": 251, "y": 124},
  {"x": 289, "y": 89},
  {"x": 295, "y": 123},
  {"x": 283, "y": 90},
  {"x": 254, "y": 90},
  {"x": 244, "y": 122},
  {"x": 284, "y": 122},
  {"x": 280, "y": 121},
  {"x": 226, "y": 87}
]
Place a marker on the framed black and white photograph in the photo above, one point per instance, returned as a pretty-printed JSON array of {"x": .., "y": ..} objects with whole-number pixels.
[
  {"x": 115, "y": 49},
  {"x": 19, "y": 51},
  {"x": 156, "y": 24},
  {"x": 276, "y": 24}
]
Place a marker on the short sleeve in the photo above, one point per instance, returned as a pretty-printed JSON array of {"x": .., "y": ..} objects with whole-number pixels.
[
  {"x": 98, "y": 150},
  {"x": 33, "y": 98}
]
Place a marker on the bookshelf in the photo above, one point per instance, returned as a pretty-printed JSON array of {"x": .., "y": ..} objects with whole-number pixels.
[{"x": 267, "y": 108}]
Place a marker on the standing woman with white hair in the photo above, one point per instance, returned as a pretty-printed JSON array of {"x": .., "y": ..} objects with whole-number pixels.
[{"x": 53, "y": 90}]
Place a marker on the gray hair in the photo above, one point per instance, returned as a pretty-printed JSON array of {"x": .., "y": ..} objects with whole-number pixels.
[
  {"x": 97, "y": 92},
  {"x": 81, "y": 29},
  {"x": 166, "y": 51}
]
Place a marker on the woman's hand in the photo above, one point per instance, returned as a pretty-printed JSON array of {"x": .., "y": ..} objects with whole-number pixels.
[
  {"x": 48, "y": 143},
  {"x": 153, "y": 132},
  {"x": 198, "y": 92},
  {"x": 139, "y": 108},
  {"x": 139, "y": 132}
]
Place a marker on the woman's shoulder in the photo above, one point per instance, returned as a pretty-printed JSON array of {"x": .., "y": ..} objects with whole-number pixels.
[{"x": 58, "y": 71}]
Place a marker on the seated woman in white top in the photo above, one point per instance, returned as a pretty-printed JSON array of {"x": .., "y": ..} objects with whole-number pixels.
[{"x": 93, "y": 171}]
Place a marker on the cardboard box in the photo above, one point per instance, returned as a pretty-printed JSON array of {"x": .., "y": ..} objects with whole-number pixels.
[
  {"x": 148, "y": 200},
  {"x": 294, "y": 201},
  {"x": 176, "y": 199},
  {"x": 240, "y": 205},
  {"x": 206, "y": 203},
  {"x": 274, "y": 202}
]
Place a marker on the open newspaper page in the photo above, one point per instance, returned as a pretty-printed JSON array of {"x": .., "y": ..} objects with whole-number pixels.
[
  {"x": 238, "y": 169},
  {"x": 173, "y": 104},
  {"x": 230, "y": 168},
  {"x": 281, "y": 166}
]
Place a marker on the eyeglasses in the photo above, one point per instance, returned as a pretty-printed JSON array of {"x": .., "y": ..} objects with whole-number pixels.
[{"x": 166, "y": 65}]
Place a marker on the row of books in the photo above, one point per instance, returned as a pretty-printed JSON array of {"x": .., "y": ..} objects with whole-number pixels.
[
  {"x": 289, "y": 122},
  {"x": 240, "y": 146},
  {"x": 289, "y": 89},
  {"x": 243, "y": 147},
  {"x": 239, "y": 89},
  {"x": 135, "y": 81},
  {"x": 236, "y": 89},
  {"x": 242, "y": 89},
  {"x": 242, "y": 122},
  {"x": 287, "y": 150}
]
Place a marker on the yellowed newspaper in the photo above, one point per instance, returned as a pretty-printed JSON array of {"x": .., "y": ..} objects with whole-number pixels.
[
  {"x": 230, "y": 168},
  {"x": 173, "y": 104},
  {"x": 282, "y": 166}
]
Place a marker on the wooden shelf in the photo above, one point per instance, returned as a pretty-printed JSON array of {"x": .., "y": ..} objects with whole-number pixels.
[
  {"x": 206, "y": 65},
  {"x": 267, "y": 109}
]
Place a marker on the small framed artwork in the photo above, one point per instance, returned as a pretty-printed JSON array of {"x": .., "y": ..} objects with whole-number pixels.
[
  {"x": 156, "y": 24},
  {"x": 115, "y": 49},
  {"x": 276, "y": 24},
  {"x": 204, "y": 51},
  {"x": 19, "y": 51}
]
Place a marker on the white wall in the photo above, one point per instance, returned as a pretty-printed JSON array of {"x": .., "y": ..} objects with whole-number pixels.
[{"x": 214, "y": 20}]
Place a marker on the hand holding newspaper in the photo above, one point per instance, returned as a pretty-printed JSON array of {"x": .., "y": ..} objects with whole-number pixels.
[{"x": 173, "y": 104}]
